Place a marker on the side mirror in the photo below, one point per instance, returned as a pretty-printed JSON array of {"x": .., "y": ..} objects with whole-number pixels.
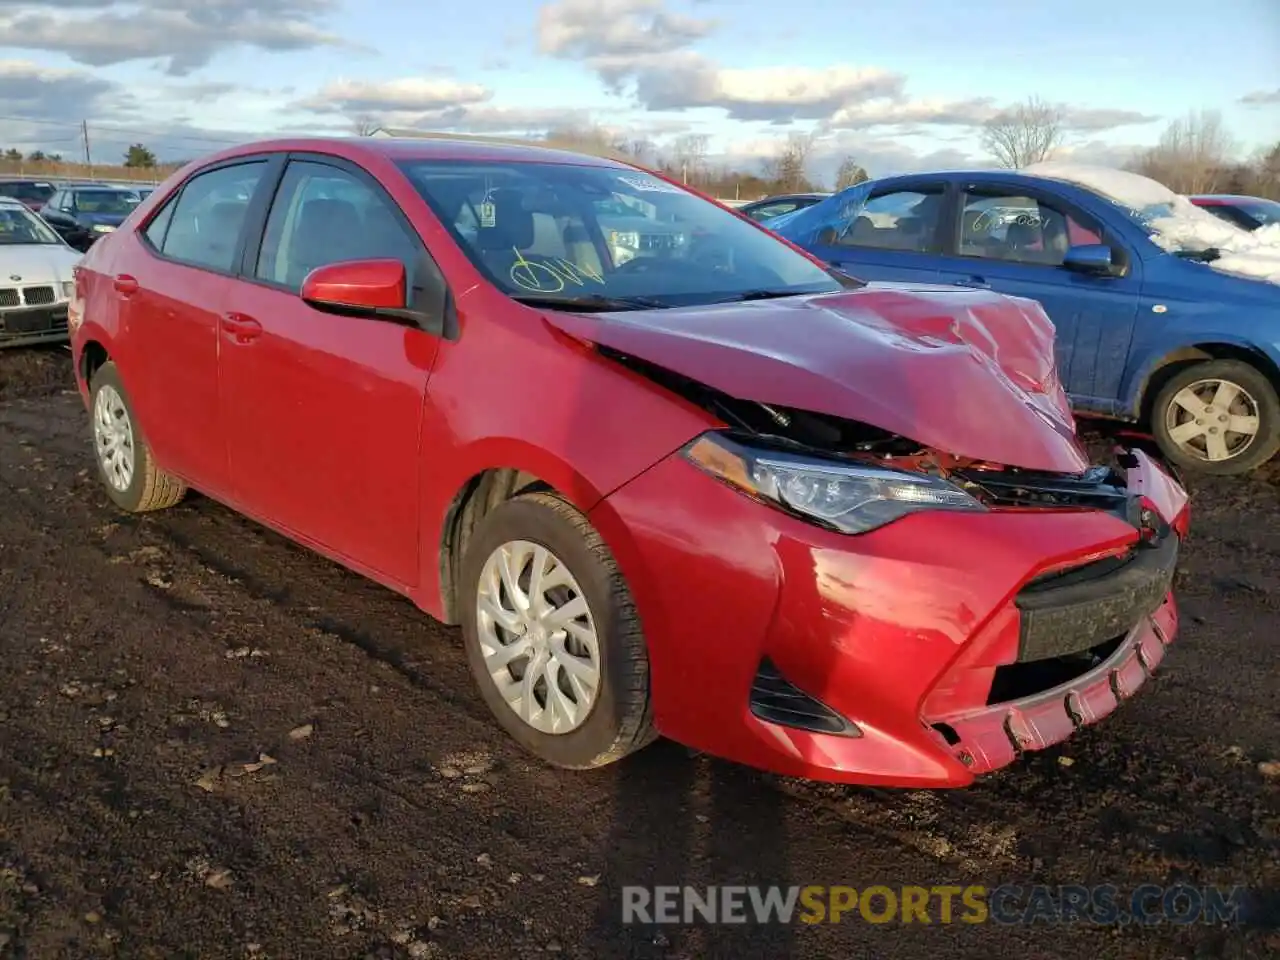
[
  {"x": 365, "y": 288},
  {"x": 1092, "y": 258}
]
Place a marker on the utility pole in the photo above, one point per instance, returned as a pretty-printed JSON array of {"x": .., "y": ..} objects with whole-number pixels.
[{"x": 88, "y": 158}]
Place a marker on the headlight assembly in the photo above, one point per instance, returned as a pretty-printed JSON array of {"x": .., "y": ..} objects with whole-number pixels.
[{"x": 848, "y": 497}]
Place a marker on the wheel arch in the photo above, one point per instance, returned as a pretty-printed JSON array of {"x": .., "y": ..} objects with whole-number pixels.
[
  {"x": 1158, "y": 372},
  {"x": 475, "y": 492},
  {"x": 94, "y": 354}
]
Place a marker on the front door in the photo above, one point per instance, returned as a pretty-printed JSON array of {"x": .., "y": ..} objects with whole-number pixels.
[
  {"x": 324, "y": 412},
  {"x": 894, "y": 237},
  {"x": 1015, "y": 244}
]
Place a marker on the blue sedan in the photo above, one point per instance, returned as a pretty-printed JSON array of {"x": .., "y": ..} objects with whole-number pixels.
[{"x": 1166, "y": 316}]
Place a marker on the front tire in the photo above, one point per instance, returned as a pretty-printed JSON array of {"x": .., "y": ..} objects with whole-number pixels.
[
  {"x": 552, "y": 635},
  {"x": 1220, "y": 417},
  {"x": 126, "y": 466}
]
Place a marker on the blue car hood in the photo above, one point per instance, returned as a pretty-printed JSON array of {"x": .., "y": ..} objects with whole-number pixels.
[{"x": 802, "y": 226}]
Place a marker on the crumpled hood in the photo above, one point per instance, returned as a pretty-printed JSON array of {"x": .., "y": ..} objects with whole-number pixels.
[{"x": 969, "y": 373}]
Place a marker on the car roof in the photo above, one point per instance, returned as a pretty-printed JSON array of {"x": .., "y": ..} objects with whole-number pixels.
[
  {"x": 418, "y": 148},
  {"x": 12, "y": 202},
  {"x": 1225, "y": 198}
]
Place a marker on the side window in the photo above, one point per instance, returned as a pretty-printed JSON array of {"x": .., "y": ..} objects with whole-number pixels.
[
  {"x": 159, "y": 225},
  {"x": 55, "y": 202},
  {"x": 1020, "y": 229},
  {"x": 902, "y": 220},
  {"x": 204, "y": 227},
  {"x": 323, "y": 214}
]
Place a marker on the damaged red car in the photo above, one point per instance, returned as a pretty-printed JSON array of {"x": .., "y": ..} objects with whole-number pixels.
[{"x": 670, "y": 475}]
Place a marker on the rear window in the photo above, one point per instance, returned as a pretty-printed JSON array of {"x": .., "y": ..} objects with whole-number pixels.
[
  {"x": 1266, "y": 212},
  {"x": 39, "y": 192}
]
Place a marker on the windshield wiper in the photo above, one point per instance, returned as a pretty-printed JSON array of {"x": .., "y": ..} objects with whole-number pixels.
[
  {"x": 761, "y": 295},
  {"x": 1200, "y": 256},
  {"x": 592, "y": 302}
]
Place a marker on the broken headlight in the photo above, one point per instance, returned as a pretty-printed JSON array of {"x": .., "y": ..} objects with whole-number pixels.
[{"x": 849, "y": 497}]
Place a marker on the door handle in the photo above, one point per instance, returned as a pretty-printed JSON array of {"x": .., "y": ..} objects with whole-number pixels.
[
  {"x": 976, "y": 283},
  {"x": 126, "y": 284},
  {"x": 241, "y": 328}
]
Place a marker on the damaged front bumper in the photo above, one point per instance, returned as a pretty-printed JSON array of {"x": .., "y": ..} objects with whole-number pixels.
[{"x": 924, "y": 653}]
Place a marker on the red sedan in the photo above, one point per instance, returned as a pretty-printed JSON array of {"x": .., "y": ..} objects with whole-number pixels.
[{"x": 669, "y": 473}]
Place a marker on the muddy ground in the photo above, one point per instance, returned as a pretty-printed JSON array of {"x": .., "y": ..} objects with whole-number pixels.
[{"x": 148, "y": 665}]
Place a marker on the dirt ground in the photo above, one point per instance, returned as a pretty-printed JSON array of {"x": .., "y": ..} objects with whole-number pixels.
[{"x": 150, "y": 664}]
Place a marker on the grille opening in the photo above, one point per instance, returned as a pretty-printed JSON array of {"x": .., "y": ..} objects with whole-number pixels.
[
  {"x": 38, "y": 296},
  {"x": 948, "y": 733},
  {"x": 775, "y": 699},
  {"x": 1018, "y": 680}
]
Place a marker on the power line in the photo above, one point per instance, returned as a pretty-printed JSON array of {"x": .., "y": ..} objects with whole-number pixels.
[{"x": 128, "y": 131}]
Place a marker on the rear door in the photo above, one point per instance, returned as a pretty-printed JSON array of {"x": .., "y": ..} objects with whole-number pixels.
[
  {"x": 324, "y": 412},
  {"x": 1012, "y": 239},
  {"x": 170, "y": 290},
  {"x": 896, "y": 236}
]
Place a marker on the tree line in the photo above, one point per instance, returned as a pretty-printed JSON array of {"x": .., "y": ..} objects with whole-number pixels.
[{"x": 1196, "y": 153}]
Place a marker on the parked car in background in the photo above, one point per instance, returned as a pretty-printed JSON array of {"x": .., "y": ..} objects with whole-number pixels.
[
  {"x": 36, "y": 279},
  {"x": 82, "y": 213},
  {"x": 769, "y": 207},
  {"x": 1165, "y": 315},
  {"x": 651, "y": 505},
  {"x": 33, "y": 193},
  {"x": 1250, "y": 213}
]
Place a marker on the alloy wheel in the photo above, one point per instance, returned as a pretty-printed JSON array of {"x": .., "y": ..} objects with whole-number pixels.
[
  {"x": 113, "y": 437},
  {"x": 1213, "y": 420},
  {"x": 538, "y": 637}
]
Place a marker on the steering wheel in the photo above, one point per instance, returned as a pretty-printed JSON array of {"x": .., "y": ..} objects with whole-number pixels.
[{"x": 711, "y": 252}]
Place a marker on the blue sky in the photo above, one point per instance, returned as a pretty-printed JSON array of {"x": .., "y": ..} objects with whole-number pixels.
[{"x": 898, "y": 85}]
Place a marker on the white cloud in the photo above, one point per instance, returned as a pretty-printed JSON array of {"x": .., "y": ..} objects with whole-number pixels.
[
  {"x": 584, "y": 29},
  {"x": 185, "y": 34},
  {"x": 1261, "y": 98}
]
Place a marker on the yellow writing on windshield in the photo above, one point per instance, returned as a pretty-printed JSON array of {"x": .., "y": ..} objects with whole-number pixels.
[{"x": 551, "y": 275}]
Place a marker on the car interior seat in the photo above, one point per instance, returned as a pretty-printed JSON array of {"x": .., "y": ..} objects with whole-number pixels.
[{"x": 328, "y": 231}]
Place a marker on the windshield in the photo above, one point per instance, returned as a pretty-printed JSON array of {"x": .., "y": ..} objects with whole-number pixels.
[
  {"x": 18, "y": 225},
  {"x": 27, "y": 192},
  {"x": 106, "y": 201},
  {"x": 551, "y": 231}
]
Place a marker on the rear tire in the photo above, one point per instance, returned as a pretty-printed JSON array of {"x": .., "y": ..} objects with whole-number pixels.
[
  {"x": 1197, "y": 436},
  {"x": 126, "y": 466},
  {"x": 609, "y": 718}
]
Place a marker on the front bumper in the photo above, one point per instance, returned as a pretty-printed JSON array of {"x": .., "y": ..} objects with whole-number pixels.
[
  {"x": 899, "y": 657},
  {"x": 27, "y": 326}
]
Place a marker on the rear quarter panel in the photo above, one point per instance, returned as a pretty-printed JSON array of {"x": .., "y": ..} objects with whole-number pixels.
[{"x": 1188, "y": 305}]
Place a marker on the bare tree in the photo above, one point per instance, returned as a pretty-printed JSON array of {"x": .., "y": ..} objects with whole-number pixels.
[
  {"x": 850, "y": 174},
  {"x": 689, "y": 153},
  {"x": 1028, "y": 133},
  {"x": 1193, "y": 154},
  {"x": 788, "y": 169},
  {"x": 363, "y": 125}
]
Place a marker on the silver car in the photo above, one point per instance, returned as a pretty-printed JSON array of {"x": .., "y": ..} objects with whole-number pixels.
[{"x": 36, "y": 279}]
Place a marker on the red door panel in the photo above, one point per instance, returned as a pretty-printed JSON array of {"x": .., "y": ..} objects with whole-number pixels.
[
  {"x": 173, "y": 317},
  {"x": 323, "y": 416}
]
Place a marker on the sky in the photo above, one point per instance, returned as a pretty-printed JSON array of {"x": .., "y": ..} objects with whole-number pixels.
[{"x": 896, "y": 84}]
